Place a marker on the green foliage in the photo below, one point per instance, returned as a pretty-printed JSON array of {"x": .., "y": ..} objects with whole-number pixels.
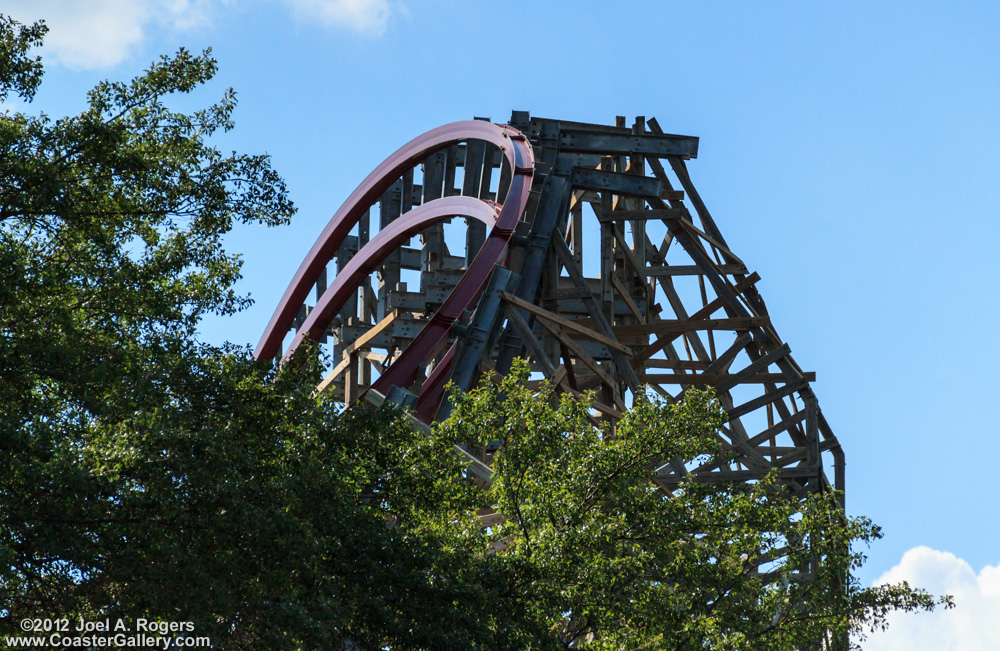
[
  {"x": 19, "y": 72},
  {"x": 144, "y": 474},
  {"x": 608, "y": 560}
]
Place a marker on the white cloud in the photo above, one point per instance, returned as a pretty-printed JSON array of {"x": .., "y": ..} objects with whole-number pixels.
[
  {"x": 974, "y": 623},
  {"x": 101, "y": 33},
  {"x": 84, "y": 35},
  {"x": 364, "y": 16}
]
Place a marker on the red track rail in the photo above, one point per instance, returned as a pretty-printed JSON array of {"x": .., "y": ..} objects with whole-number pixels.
[{"x": 503, "y": 219}]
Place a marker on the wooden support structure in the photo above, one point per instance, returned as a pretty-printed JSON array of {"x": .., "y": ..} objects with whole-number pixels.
[
  {"x": 615, "y": 277},
  {"x": 586, "y": 250}
]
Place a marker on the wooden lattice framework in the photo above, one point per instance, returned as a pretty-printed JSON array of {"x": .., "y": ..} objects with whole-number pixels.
[{"x": 606, "y": 272}]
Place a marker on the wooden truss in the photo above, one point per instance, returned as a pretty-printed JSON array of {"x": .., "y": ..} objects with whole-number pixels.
[{"x": 615, "y": 277}]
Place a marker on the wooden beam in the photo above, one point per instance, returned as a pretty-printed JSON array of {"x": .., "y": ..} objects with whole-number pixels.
[
  {"x": 349, "y": 350},
  {"x": 573, "y": 269},
  {"x": 693, "y": 270},
  {"x": 677, "y": 365},
  {"x": 668, "y": 327},
  {"x": 559, "y": 334},
  {"x": 566, "y": 323},
  {"x": 761, "y": 364},
  {"x": 375, "y": 330},
  {"x": 704, "y": 312},
  {"x": 333, "y": 375},
  {"x": 717, "y": 378},
  {"x": 722, "y": 248},
  {"x": 765, "y": 399},
  {"x": 579, "y": 140},
  {"x": 537, "y": 351},
  {"x": 616, "y": 182},
  {"x": 783, "y": 425},
  {"x": 638, "y": 215},
  {"x": 638, "y": 267},
  {"x": 629, "y": 303}
]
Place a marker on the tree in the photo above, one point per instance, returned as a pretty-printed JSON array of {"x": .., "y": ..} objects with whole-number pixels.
[
  {"x": 146, "y": 474},
  {"x": 609, "y": 560},
  {"x": 109, "y": 255}
]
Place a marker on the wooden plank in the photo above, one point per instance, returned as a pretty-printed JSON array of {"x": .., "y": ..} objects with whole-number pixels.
[
  {"x": 472, "y": 177},
  {"x": 723, "y": 362},
  {"x": 716, "y": 378},
  {"x": 351, "y": 385},
  {"x": 582, "y": 356},
  {"x": 486, "y": 176},
  {"x": 345, "y": 252},
  {"x": 677, "y": 364},
  {"x": 812, "y": 428},
  {"x": 490, "y": 518},
  {"x": 732, "y": 257},
  {"x": 579, "y": 197},
  {"x": 566, "y": 323},
  {"x": 761, "y": 364},
  {"x": 561, "y": 374},
  {"x": 765, "y": 399},
  {"x": 566, "y": 161},
  {"x": 704, "y": 302},
  {"x": 791, "y": 453},
  {"x": 576, "y": 226},
  {"x": 388, "y": 271},
  {"x": 641, "y": 215},
  {"x": 620, "y": 359},
  {"x": 706, "y": 311},
  {"x": 606, "y": 410},
  {"x": 528, "y": 337},
  {"x": 609, "y": 233},
  {"x": 569, "y": 293},
  {"x": 624, "y": 293},
  {"x": 637, "y": 166},
  {"x": 450, "y": 162},
  {"x": 616, "y": 182},
  {"x": 620, "y": 144},
  {"x": 668, "y": 327},
  {"x": 758, "y": 473},
  {"x": 372, "y": 357},
  {"x": 693, "y": 270},
  {"x": 348, "y": 351},
  {"x": 782, "y": 426},
  {"x": 373, "y": 332}
]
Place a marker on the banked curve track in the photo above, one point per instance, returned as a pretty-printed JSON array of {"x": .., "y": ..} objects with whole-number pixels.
[{"x": 501, "y": 220}]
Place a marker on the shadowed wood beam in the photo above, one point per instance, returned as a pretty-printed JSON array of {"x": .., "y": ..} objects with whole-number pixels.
[
  {"x": 706, "y": 311},
  {"x": 349, "y": 350},
  {"x": 559, "y": 334},
  {"x": 668, "y": 327},
  {"x": 717, "y": 378},
  {"x": 566, "y": 323}
]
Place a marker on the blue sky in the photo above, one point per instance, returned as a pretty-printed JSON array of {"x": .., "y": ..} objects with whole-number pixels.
[{"x": 849, "y": 152}]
